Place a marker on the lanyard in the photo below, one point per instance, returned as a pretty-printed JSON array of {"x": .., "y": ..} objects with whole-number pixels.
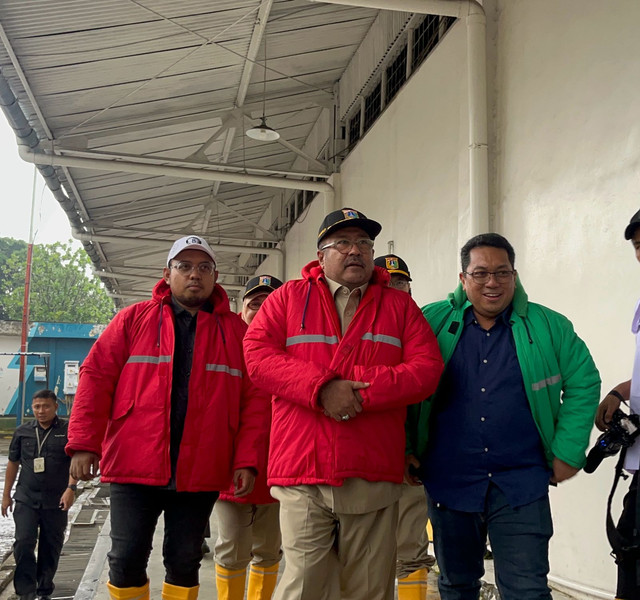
[{"x": 40, "y": 444}]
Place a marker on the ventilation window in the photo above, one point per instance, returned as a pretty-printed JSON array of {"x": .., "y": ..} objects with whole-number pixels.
[
  {"x": 425, "y": 37},
  {"x": 396, "y": 74},
  {"x": 446, "y": 22},
  {"x": 354, "y": 128},
  {"x": 372, "y": 106},
  {"x": 299, "y": 202}
]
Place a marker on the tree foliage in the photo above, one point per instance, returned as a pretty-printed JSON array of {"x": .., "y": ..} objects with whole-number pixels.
[{"x": 62, "y": 288}]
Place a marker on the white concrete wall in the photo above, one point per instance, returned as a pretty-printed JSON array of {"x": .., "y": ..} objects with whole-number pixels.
[
  {"x": 567, "y": 77},
  {"x": 9, "y": 378},
  {"x": 409, "y": 174},
  {"x": 563, "y": 87},
  {"x": 411, "y": 170}
]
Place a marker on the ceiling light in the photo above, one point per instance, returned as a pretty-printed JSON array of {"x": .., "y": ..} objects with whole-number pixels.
[{"x": 262, "y": 132}]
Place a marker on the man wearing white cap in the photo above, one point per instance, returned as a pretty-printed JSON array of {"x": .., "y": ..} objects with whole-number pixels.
[{"x": 165, "y": 409}]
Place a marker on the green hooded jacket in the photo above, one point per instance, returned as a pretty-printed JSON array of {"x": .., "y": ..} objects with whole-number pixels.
[{"x": 561, "y": 380}]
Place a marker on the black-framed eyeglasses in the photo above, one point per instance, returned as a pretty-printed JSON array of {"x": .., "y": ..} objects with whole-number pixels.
[
  {"x": 185, "y": 268},
  {"x": 344, "y": 246},
  {"x": 481, "y": 277}
]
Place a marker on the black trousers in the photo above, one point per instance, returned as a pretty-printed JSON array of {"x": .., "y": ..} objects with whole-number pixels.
[
  {"x": 134, "y": 515},
  {"x": 35, "y": 576},
  {"x": 628, "y": 583}
]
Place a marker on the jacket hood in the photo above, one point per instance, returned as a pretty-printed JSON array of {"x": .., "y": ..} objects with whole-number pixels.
[
  {"x": 313, "y": 272},
  {"x": 219, "y": 299},
  {"x": 458, "y": 299}
]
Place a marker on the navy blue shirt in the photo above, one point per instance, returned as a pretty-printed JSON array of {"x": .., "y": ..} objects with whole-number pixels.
[
  {"x": 41, "y": 490},
  {"x": 482, "y": 430}
]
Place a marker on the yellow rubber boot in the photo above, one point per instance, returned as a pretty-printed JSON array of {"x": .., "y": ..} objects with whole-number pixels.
[
  {"x": 230, "y": 583},
  {"x": 129, "y": 593},
  {"x": 176, "y": 592},
  {"x": 413, "y": 587},
  {"x": 262, "y": 582}
]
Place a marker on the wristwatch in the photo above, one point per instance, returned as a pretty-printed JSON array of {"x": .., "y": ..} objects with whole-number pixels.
[{"x": 73, "y": 487}]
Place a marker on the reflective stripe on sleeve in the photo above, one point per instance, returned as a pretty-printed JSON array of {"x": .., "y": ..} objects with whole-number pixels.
[{"x": 538, "y": 385}]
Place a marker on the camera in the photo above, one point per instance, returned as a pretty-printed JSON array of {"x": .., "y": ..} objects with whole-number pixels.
[{"x": 622, "y": 432}]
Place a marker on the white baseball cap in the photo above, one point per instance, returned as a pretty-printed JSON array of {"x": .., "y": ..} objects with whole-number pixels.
[{"x": 190, "y": 242}]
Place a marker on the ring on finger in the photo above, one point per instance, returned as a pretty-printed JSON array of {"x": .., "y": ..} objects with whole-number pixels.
[{"x": 345, "y": 417}]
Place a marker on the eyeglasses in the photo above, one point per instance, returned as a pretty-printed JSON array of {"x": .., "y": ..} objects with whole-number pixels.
[
  {"x": 400, "y": 284},
  {"x": 185, "y": 268},
  {"x": 344, "y": 246},
  {"x": 481, "y": 277}
]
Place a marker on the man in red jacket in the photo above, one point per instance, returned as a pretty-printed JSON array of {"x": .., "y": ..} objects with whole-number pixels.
[
  {"x": 343, "y": 355},
  {"x": 248, "y": 527},
  {"x": 414, "y": 560},
  {"x": 164, "y": 405}
]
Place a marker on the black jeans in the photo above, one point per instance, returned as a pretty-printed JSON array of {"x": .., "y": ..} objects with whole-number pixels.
[
  {"x": 628, "y": 584},
  {"x": 35, "y": 576},
  {"x": 134, "y": 515}
]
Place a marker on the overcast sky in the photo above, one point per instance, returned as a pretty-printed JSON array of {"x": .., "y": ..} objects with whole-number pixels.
[{"x": 50, "y": 222}]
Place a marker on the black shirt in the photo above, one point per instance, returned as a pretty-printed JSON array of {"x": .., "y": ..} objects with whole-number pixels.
[
  {"x": 185, "y": 336},
  {"x": 41, "y": 490}
]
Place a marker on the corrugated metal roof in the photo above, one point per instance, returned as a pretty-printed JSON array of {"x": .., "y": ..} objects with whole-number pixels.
[{"x": 163, "y": 79}]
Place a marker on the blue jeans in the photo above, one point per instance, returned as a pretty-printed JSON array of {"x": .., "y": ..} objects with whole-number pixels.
[
  {"x": 134, "y": 514},
  {"x": 519, "y": 541}
]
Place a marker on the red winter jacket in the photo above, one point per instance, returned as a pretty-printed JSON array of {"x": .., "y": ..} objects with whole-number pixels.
[
  {"x": 123, "y": 403},
  {"x": 294, "y": 346},
  {"x": 261, "y": 493}
]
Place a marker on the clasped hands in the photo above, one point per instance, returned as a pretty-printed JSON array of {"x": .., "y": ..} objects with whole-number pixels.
[{"x": 341, "y": 399}]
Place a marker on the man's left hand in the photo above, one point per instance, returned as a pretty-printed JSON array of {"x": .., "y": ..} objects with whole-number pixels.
[
  {"x": 562, "y": 471},
  {"x": 243, "y": 481},
  {"x": 67, "y": 500},
  {"x": 409, "y": 477}
]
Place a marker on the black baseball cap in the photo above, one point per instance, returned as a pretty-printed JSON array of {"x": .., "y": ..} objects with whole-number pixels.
[
  {"x": 348, "y": 217},
  {"x": 632, "y": 226},
  {"x": 394, "y": 264},
  {"x": 261, "y": 283}
]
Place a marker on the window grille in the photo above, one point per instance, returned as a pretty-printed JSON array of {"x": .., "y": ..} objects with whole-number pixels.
[
  {"x": 396, "y": 74},
  {"x": 425, "y": 37},
  {"x": 354, "y": 128},
  {"x": 299, "y": 202},
  {"x": 372, "y": 106},
  {"x": 446, "y": 23}
]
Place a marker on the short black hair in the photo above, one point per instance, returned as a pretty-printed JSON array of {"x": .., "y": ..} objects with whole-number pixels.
[
  {"x": 48, "y": 394},
  {"x": 494, "y": 240}
]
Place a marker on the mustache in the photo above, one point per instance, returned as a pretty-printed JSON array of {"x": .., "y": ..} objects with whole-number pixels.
[{"x": 354, "y": 260}]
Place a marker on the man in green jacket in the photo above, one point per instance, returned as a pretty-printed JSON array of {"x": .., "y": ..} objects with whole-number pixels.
[{"x": 512, "y": 413}]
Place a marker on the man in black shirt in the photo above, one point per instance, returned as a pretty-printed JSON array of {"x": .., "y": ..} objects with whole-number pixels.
[{"x": 44, "y": 494}]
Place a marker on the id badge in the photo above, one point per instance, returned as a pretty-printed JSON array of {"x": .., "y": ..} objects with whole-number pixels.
[{"x": 38, "y": 464}]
